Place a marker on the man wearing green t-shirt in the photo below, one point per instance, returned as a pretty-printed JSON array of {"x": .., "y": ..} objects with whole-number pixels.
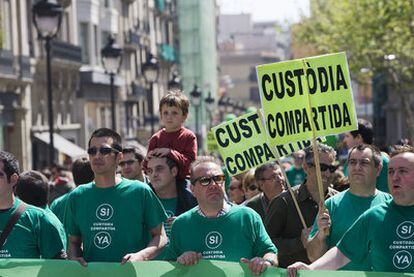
[
  {"x": 383, "y": 233},
  {"x": 36, "y": 234},
  {"x": 343, "y": 209},
  {"x": 162, "y": 173},
  {"x": 295, "y": 174},
  {"x": 108, "y": 220},
  {"x": 216, "y": 229},
  {"x": 365, "y": 134}
]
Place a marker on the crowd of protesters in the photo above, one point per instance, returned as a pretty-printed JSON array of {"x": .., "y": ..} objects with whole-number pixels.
[{"x": 123, "y": 205}]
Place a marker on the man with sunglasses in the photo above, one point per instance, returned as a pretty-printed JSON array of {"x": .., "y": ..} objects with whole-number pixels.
[
  {"x": 364, "y": 165},
  {"x": 282, "y": 221},
  {"x": 109, "y": 219},
  {"x": 131, "y": 164},
  {"x": 271, "y": 183},
  {"x": 219, "y": 230}
]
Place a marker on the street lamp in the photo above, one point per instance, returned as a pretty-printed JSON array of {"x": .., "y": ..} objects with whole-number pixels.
[
  {"x": 175, "y": 82},
  {"x": 47, "y": 17},
  {"x": 111, "y": 56},
  {"x": 196, "y": 102},
  {"x": 151, "y": 69},
  {"x": 209, "y": 100}
]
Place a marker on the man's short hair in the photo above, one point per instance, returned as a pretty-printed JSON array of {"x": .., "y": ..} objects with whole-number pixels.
[
  {"x": 258, "y": 173},
  {"x": 138, "y": 154},
  {"x": 106, "y": 132},
  {"x": 322, "y": 148},
  {"x": 202, "y": 160},
  {"x": 33, "y": 188},
  {"x": 365, "y": 130},
  {"x": 376, "y": 153},
  {"x": 399, "y": 149},
  {"x": 10, "y": 164},
  {"x": 82, "y": 171},
  {"x": 175, "y": 98}
]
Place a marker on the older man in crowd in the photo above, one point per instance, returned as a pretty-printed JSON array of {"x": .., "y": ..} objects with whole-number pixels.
[
  {"x": 283, "y": 223},
  {"x": 384, "y": 233},
  {"x": 213, "y": 223}
]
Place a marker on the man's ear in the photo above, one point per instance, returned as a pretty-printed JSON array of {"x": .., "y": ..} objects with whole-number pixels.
[
  {"x": 192, "y": 188},
  {"x": 174, "y": 171},
  {"x": 379, "y": 168},
  {"x": 13, "y": 179}
]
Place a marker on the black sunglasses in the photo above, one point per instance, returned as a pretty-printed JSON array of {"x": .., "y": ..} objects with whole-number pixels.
[
  {"x": 252, "y": 187},
  {"x": 325, "y": 167},
  {"x": 205, "y": 181},
  {"x": 128, "y": 162},
  {"x": 103, "y": 150}
]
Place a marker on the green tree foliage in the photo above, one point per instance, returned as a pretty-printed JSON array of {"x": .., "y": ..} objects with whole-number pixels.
[{"x": 377, "y": 35}]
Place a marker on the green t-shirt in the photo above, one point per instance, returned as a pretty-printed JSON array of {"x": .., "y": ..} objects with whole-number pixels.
[
  {"x": 239, "y": 233},
  {"x": 295, "y": 176},
  {"x": 37, "y": 234},
  {"x": 344, "y": 209},
  {"x": 386, "y": 232},
  {"x": 58, "y": 206},
  {"x": 114, "y": 221},
  {"x": 382, "y": 179}
]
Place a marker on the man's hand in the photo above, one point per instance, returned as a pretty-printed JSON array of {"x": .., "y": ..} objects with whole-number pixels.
[
  {"x": 324, "y": 224},
  {"x": 305, "y": 235},
  {"x": 293, "y": 268},
  {"x": 170, "y": 220},
  {"x": 256, "y": 265},
  {"x": 81, "y": 260},
  {"x": 133, "y": 257},
  {"x": 159, "y": 152},
  {"x": 189, "y": 258}
]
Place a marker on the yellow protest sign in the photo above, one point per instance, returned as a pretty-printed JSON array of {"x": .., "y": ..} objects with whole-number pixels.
[
  {"x": 295, "y": 92},
  {"x": 242, "y": 143},
  {"x": 211, "y": 143}
]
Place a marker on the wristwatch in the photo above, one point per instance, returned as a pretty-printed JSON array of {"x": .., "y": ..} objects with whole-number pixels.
[{"x": 271, "y": 262}]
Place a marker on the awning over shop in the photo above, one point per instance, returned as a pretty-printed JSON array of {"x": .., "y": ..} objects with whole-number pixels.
[{"x": 62, "y": 145}]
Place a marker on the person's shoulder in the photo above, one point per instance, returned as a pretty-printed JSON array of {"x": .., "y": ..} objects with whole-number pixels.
[
  {"x": 337, "y": 197},
  {"x": 252, "y": 202},
  {"x": 384, "y": 195},
  {"x": 136, "y": 185},
  {"x": 59, "y": 201},
  {"x": 186, "y": 216},
  {"x": 187, "y": 132}
]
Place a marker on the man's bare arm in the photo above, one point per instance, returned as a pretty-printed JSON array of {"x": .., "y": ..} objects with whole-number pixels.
[{"x": 75, "y": 250}]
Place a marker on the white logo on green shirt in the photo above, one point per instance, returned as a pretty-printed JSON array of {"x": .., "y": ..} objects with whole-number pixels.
[
  {"x": 402, "y": 259},
  {"x": 405, "y": 230},
  {"x": 214, "y": 239},
  {"x": 102, "y": 240},
  {"x": 104, "y": 212}
]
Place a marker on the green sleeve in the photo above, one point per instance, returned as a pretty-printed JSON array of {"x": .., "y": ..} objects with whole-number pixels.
[
  {"x": 263, "y": 243},
  {"x": 154, "y": 213},
  {"x": 72, "y": 228},
  {"x": 52, "y": 238},
  {"x": 172, "y": 252},
  {"x": 354, "y": 244}
]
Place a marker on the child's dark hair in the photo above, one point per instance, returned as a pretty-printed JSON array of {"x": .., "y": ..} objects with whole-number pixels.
[{"x": 175, "y": 98}]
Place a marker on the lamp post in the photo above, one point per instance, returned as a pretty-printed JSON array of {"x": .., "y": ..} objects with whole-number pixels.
[
  {"x": 209, "y": 100},
  {"x": 196, "y": 102},
  {"x": 151, "y": 70},
  {"x": 175, "y": 82},
  {"x": 111, "y": 56},
  {"x": 47, "y": 17}
]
